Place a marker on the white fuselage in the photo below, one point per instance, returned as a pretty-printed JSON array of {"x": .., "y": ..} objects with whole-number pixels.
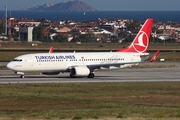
[{"x": 62, "y": 62}]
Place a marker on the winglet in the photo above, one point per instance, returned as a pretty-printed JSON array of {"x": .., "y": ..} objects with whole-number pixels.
[
  {"x": 141, "y": 41},
  {"x": 51, "y": 49},
  {"x": 155, "y": 56}
]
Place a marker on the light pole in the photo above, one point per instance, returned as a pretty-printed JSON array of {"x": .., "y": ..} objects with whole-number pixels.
[{"x": 5, "y": 19}]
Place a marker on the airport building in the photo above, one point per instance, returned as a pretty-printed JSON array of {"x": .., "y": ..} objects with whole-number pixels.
[{"x": 26, "y": 33}]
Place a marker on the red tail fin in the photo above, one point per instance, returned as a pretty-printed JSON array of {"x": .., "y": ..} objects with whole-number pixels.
[
  {"x": 51, "y": 49},
  {"x": 141, "y": 41},
  {"x": 155, "y": 56}
]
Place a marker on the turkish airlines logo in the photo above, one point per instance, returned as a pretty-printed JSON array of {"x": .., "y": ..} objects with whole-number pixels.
[{"x": 141, "y": 43}]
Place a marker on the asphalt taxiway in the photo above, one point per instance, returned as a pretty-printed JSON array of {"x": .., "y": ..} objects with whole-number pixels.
[{"x": 122, "y": 75}]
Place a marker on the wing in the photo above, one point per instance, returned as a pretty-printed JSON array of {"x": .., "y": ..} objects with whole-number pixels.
[{"x": 111, "y": 66}]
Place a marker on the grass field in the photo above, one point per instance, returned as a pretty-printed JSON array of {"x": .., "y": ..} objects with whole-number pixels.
[
  {"x": 85, "y": 46},
  {"x": 152, "y": 101}
]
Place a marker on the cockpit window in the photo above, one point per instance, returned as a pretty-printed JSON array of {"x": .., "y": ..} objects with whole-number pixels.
[{"x": 17, "y": 60}]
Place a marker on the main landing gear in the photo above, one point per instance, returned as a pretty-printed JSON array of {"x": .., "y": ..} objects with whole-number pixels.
[{"x": 91, "y": 75}]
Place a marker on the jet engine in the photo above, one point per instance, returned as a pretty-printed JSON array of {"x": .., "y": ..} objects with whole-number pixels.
[{"x": 80, "y": 71}]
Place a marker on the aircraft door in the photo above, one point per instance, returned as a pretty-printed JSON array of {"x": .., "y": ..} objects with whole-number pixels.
[
  {"x": 131, "y": 58},
  {"x": 30, "y": 61}
]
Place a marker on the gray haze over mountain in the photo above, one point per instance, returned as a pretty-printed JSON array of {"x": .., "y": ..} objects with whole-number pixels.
[
  {"x": 101, "y": 5},
  {"x": 64, "y": 6}
]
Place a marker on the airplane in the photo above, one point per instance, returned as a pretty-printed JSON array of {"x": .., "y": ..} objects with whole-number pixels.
[{"x": 84, "y": 64}]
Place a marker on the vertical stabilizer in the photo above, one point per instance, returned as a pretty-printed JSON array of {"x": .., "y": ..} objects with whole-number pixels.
[{"x": 141, "y": 41}]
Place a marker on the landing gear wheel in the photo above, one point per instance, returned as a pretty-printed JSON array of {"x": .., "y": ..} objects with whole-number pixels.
[
  {"x": 72, "y": 76},
  {"x": 91, "y": 75},
  {"x": 22, "y": 76}
]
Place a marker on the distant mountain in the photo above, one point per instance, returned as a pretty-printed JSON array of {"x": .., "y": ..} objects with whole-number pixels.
[{"x": 75, "y": 5}]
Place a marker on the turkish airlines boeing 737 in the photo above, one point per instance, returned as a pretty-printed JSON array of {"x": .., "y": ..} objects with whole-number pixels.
[{"x": 85, "y": 63}]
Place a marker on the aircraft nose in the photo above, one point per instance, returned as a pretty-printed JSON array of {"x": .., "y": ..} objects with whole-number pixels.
[{"x": 9, "y": 66}]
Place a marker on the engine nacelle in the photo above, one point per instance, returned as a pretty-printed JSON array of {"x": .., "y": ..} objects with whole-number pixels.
[
  {"x": 80, "y": 71},
  {"x": 50, "y": 73}
]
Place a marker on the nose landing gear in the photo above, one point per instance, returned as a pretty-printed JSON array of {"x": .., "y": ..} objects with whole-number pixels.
[{"x": 21, "y": 74}]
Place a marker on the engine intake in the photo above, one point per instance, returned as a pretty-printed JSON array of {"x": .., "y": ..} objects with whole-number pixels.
[{"x": 80, "y": 71}]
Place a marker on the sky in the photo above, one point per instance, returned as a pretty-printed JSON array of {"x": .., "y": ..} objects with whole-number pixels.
[{"x": 102, "y": 5}]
